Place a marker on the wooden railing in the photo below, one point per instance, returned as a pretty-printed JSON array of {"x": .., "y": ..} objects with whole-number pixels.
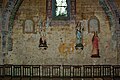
[{"x": 60, "y": 71}]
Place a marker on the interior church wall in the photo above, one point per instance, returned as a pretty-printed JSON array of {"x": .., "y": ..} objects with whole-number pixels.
[{"x": 61, "y": 40}]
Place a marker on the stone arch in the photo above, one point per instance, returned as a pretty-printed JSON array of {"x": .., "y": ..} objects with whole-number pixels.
[
  {"x": 112, "y": 12},
  {"x": 11, "y": 23},
  {"x": 5, "y": 21},
  {"x": 8, "y": 16}
]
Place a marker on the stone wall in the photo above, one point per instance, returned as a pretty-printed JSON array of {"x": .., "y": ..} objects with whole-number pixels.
[{"x": 60, "y": 39}]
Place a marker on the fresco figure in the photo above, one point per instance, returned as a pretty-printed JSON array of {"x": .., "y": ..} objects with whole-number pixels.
[
  {"x": 48, "y": 22},
  {"x": 78, "y": 36},
  {"x": 95, "y": 45},
  {"x": 42, "y": 42},
  {"x": 43, "y": 26},
  {"x": 40, "y": 23},
  {"x": 79, "y": 30}
]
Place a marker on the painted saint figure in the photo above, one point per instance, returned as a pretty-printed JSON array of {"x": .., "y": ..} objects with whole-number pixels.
[
  {"x": 43, "y": 26},
  {"x": 42, "y": 42},
  {"x": 79, "y": 36},
  {"x": 40, "y": 23},
  {"x": 48, "y": 22},
  {"x": 95, "y": 44}
]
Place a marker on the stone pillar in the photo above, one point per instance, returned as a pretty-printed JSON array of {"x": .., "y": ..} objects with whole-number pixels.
[{"x": 4, "y": 45}]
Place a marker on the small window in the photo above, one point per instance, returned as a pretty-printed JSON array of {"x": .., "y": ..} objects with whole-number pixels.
[
  {"x": 61, "y": 12},
  {"x": 60, "y": 9}
]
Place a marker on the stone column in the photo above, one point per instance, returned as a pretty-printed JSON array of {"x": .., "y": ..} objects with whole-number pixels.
[{"x": 4, "y": 45}]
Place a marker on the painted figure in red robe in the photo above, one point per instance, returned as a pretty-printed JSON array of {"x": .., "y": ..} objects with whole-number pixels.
[{"x": 95, "y": 44}]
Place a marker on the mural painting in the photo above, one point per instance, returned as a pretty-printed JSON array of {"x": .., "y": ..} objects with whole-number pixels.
[
  {"x": 66, "y": 48},
  {"x": 43, "y": 25},
  {"x": 79, "y": 36},
  {"x": 95, "y": 45}
]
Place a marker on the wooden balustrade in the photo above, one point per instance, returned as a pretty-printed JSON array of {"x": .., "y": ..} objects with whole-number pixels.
[
  {"x": 77, "y": 70},
  {"x": 106, "y": 71},
  {"x": 36, "y": 71},
  {"x": 60, "y": 71},
  {"x": 66, "y": 71},
  {"x": 116, "y": 71},
  {"x": 17, "y": 71},
  {"x": 56, "y": 71},
  {"x": 87, "y": 71},
  {"x": 97, "y": 71},
  {"x": 7, "y": 70},
  {"x": 26, "y": 71},
  {"x": 46, "y": 71}
]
